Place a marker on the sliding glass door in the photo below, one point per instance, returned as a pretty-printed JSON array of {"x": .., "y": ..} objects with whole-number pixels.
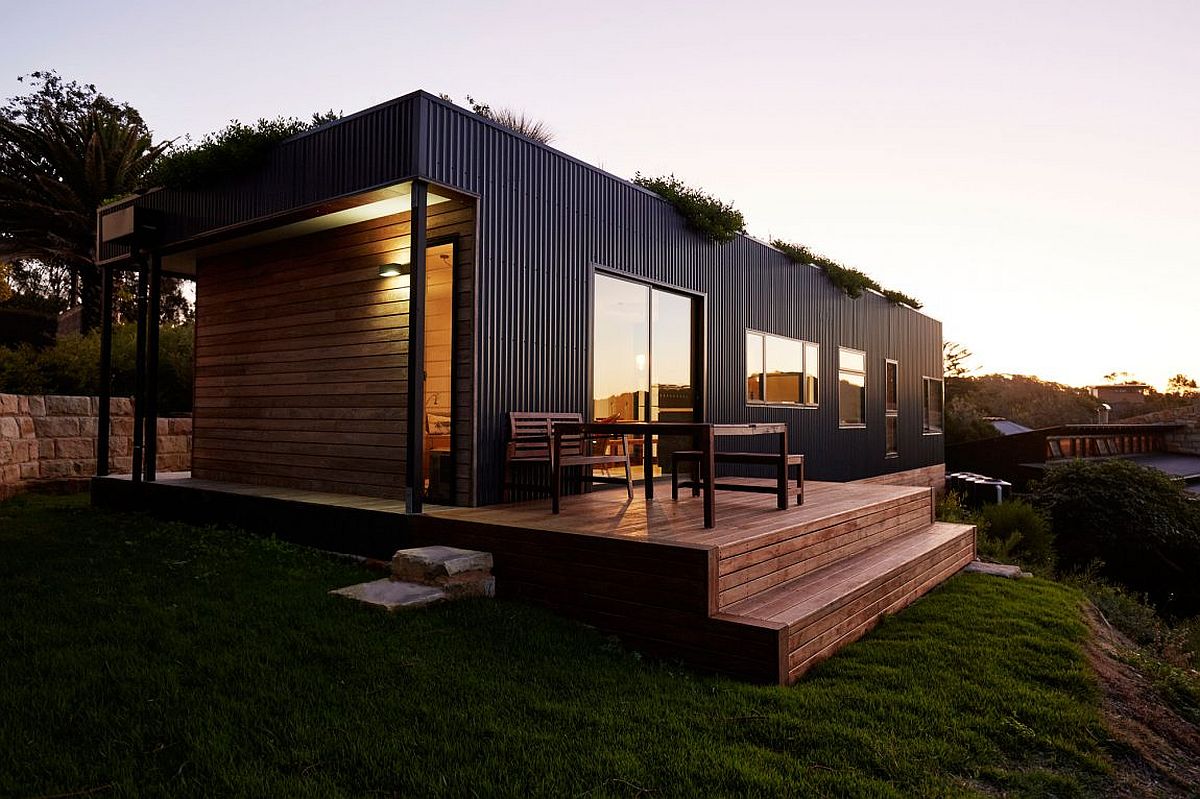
[{"x": 644, "y": 359}]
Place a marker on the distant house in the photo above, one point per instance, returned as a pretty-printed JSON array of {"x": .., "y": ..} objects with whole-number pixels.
[
  {"x": 1121, "y": 396},
  {"x": 1005, "y": 427}
]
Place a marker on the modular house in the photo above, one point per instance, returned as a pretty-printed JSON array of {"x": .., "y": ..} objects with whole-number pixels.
[
  {"x": 548, "y": 284},
  {"x": 376, "y": 299}
]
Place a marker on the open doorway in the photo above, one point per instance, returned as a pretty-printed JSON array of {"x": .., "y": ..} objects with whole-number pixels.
[{"x": 438, "y": 455}]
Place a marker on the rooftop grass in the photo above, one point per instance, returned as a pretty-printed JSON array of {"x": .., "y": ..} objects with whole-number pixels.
[{"x": 147, "y": 658}]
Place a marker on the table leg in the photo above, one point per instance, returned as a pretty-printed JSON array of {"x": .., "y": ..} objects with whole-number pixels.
[
  {"x": 647, "y": 469},
  {"x": 555, "y": 469},
  {"x": 781, "y": 475},
  {"x": 710, "y": 479}
]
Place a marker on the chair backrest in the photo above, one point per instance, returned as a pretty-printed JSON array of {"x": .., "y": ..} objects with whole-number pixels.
[{"x": 529, "y": 432}]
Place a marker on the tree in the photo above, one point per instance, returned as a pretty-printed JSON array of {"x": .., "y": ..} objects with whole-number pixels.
[
  {"x": 955, "y": 359},
  {"x": 1182, "y": 386},
  {"x": 65, "y": 149}
]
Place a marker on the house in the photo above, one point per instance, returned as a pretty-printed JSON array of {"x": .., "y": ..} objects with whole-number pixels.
[{"x": 375, "y": 299}]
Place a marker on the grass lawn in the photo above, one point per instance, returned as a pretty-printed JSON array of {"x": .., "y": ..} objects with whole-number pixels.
[{"x": 145, "y": 658}]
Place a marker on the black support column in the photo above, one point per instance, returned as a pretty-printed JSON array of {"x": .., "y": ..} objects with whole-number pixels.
[
  {"x": 104, "y": 417},
  {"x": 150, "y": 418},
  {"x": 414, "y": 473},
  {"x": 139, "y": 384}
]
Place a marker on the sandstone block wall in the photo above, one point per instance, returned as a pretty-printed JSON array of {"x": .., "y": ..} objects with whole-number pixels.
[
  {"x": 51, "y": 438},
  {"x": 1185, "y": 441}
]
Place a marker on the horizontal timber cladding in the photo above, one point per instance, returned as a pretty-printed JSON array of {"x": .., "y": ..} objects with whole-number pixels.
[
  {"x": 301, "y": 359},
  {"x": 545, "y": 219}
]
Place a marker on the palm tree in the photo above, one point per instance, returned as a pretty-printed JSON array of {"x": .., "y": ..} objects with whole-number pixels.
[{"x": 64, "y": 150}]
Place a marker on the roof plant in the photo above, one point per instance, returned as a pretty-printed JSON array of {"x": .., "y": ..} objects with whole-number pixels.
[
  {"x": 712, "y": 218},
  {"x": 852, "y": 282},
  {"x": 231, "y": 151}
]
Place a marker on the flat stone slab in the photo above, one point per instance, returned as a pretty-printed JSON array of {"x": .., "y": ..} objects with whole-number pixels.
[
  {"x": 437, "y": 564},
  {"x": 997, "y": 570},
  {"x": 392, "y": 594}
]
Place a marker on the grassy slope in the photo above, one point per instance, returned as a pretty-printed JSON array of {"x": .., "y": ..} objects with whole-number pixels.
[{"x": 165, "y": 659}]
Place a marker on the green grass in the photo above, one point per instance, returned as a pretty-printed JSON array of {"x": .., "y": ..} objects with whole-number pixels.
[{"x": 146, "y": 658}]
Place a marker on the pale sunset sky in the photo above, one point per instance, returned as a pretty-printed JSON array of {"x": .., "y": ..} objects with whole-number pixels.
[{"x": 1030, "y": 170}]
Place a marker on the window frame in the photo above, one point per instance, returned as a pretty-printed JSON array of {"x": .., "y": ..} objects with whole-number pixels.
[
  {"x": 840, "y": 371},
  {"x": 926, "y": 429},
  {"x": 891, "y": 413},
  {"x": 805, "y": 373}
]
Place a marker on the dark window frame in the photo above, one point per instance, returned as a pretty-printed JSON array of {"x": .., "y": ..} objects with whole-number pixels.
[
  {"x": 863, "y": 393},
  {"x": 805, "y": 373},
  {"x": 891, "y": 412},
  {"x": 926, "y": 427}
]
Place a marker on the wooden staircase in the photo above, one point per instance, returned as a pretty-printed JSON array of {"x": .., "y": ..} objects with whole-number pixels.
[
  {"x": 765, "y": 595},
  {"x": 822, "y": 588}
]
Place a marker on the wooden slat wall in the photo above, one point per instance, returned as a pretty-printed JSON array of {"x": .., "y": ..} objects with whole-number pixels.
[{"x": 301, "y": 360}]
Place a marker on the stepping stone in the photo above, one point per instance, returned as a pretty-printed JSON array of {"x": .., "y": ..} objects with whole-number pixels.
[
  {"x": 439, "y": 565},
  {"x": 391, "y": 594},
  {"x": 996, "y": 570}
]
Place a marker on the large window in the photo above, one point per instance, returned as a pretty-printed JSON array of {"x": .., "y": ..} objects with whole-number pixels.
[
  {"x": 643, "y": 357},
  {"x": 852, "y": 387},
  {"x": 891, "y": 408},
  {"x": 933, "y": 405},
  {"x": 781, "y": 371}
]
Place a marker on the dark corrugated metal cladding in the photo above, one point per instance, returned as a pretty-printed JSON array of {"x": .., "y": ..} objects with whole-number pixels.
[
  {"x": 545, "y": 218},
  {"x": 363, "y": 151}
]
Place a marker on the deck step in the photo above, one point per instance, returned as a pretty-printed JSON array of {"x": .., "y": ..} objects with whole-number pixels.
[
  {"x": 459, "y": 572},
  {"x": 757, "y": 566},
  {"x": 820, "y": 612}
]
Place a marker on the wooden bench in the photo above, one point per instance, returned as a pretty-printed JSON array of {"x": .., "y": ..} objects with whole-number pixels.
[
  {"x": 529, "y": 445},
  {"x": 777, "y": 461}
]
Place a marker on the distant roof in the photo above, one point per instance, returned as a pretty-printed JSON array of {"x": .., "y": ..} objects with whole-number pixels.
[
  {"x": 1121, "y": 385},
  {"x": 1007, "y": 428}
]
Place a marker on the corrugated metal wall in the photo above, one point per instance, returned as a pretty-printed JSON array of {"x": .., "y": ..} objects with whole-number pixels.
[
  {"x": 360, "y": 152},
  {"x": 544, "y": 218}
]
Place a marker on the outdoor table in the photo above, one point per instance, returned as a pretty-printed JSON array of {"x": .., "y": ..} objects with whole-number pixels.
[{"x": 703, "y": 433}]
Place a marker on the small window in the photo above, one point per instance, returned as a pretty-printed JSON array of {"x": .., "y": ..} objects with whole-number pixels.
[
  {"x": 891, "y": 408},
  {"x": 933, "y": 405},
  {"x": 812, "y": 366},
  {"x": 781, "y": 371},
  {"x": 891, "y": 383},
  {"x": 754, "y": 367},
  {"x": 852, "y": 387}
]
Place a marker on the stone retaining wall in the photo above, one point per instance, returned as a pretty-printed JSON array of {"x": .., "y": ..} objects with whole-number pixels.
[
  {"x": 1183, "y": 442},
  {"x": 49, "y": 438}
]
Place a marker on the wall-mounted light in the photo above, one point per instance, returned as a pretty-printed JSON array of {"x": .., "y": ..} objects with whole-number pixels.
[{"x": 395, "y": 270}]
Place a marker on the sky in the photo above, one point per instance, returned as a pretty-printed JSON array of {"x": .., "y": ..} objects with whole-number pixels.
[{"x": 1028, "y": 170}]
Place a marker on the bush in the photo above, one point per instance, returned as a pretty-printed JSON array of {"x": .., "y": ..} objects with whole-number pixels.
[
  {"x": 851, "y": 282},
  {"x": 72, "y": 367},
  {"x": 712, "y": 218},
  {"x": 234, "y": 150},
  {"x": 1136, "y": 523},
  {"x": 1023, "y": 532}
]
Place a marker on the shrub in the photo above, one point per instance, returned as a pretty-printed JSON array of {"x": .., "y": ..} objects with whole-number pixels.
[
  {"x": 72, "y": 366},
  {"x": 1022, "y": 531},
  {"x": 1136, "y": 523},
  {"x": 231, "y": 151},
  {"x": 705, "y": 214},
  {"x": 849, "y": 281}
]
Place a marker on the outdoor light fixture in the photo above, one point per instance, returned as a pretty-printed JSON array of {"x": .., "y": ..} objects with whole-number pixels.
[{"x": 395, "y": 270}]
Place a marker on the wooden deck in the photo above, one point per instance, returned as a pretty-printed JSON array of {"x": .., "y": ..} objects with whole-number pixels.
[{"x": 766, "y": 594}]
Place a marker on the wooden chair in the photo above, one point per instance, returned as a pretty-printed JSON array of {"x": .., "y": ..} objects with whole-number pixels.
[{"x": 529, "y": 446}]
